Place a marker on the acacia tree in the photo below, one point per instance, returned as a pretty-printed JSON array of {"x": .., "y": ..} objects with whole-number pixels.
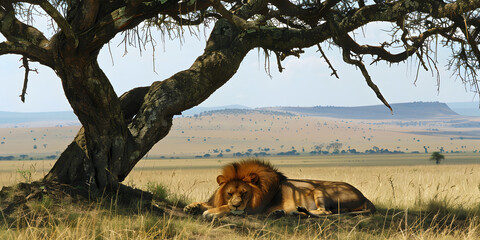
[
  {"x": 437, "y": 157},
  {"x": 118, "y": 131}
]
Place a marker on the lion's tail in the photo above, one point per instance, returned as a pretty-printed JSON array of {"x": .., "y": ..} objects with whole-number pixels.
[
  {"x": 368, "y": 205},
  {"x": 366, "y": 208}
]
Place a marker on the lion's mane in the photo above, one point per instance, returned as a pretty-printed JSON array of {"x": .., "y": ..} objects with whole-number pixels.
[{"x": 264, "y": 189}]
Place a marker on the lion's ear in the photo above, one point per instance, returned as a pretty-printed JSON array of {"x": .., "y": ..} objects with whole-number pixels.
[
  {"x": 221, "y": 179},
  {"x": 251, "y": 178}
]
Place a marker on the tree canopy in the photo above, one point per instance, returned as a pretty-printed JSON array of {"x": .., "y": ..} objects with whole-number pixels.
[
  {"x": 437, "y": 157},
  {"x": 119, "y": 130}
]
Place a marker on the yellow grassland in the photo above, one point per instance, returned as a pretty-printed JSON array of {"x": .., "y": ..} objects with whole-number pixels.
[
  {"x": 214, "y": 134},
  {"x": 391, "y": 185},
  {"x": 402, "y": 186},
  {"x": 400, "y": 192}
]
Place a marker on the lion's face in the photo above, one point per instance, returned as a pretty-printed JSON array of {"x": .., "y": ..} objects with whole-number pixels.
[{"x": 237, "y": 195}]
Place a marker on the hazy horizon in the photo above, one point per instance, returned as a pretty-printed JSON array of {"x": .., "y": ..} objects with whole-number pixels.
[{"x": 475, "y": 104}]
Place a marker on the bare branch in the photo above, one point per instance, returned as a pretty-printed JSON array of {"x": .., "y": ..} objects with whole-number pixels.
[
  {"x": 59, "y": 19},
  {"x": 385, "y": 55},
  {"x": 25, "y": 80},
  {"x": 334, "y": 72},
  {"x": 368, "y": 79},
  {"x": 279, "y": 61}
]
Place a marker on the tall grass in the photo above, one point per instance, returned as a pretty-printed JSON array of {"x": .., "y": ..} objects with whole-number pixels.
[{"x": 413, "y": 202}]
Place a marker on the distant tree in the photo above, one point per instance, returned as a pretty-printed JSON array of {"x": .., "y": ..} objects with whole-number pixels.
[
  {"x": 319, "y": 147},
  {"x": 328, "y": 147},
  {"x": 437, "y": 157},
  {"x": 336, "y": 146}
]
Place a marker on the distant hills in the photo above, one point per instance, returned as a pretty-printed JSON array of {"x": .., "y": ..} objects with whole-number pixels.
[
  {"x": 466, "y": 108},
  {"x": 40, "y": 119},
  {"x": 198, "y": 110},
  {"x": 415, "y": 110},
  {"x": 228, "y": 111}
]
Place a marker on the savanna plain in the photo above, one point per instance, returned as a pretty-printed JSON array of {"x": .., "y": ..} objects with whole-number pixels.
[
  {"x": 424, "y": 201},
  {"x": 415, "y": 198}
]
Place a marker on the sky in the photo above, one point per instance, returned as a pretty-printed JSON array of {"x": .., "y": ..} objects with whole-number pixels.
[{"x": 306, "y": 81}]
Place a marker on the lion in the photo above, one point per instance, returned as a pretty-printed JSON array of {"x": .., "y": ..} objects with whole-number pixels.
[{"x": 254, "y": 186}]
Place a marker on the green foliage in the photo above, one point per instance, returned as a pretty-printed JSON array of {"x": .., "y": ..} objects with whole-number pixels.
[
  {"x": 26, "y": 174},
  {"x": 162, "y": 193}
]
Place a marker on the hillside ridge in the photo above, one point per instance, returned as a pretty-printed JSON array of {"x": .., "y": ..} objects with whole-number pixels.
[{"x": 413, "y": 110}]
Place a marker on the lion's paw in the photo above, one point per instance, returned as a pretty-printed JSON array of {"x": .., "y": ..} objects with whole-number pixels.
[
  {"x": 193, "y": 208},
  {"x": 278, "y": 213},
  {"x": 302, "y": 209},
  {"x": 209, "y": 215}
]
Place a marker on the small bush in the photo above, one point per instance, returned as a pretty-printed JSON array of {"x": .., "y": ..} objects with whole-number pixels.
[{"x": 160, "y": 192}]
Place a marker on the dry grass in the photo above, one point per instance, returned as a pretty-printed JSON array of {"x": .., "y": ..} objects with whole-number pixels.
[
  {"x": 389, "y": 186},
  {"x": 413, "y": 202},
  {"x": 192, "y": 136}
]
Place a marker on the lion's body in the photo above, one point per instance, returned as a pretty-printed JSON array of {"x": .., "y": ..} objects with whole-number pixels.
[
  {"x": 254, "y": 186},
  {"x": 320, "y": 197}
]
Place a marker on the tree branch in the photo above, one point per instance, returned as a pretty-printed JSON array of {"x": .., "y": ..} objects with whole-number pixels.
[
  {"x": 451, "y": 9},
  {"x": 26, "y": 49},
  {"x": 235, "y": 20},
  {"x": 187, "y": 88},
  {"x": 129, "y": 14},
  {"x": 187, "y": 22},
  {"x": 16, "y": 31},
  {"x": 279, "y": 61},
  {"x": 368, "y": 79},
  {"x": 58, "y": 18},
  {"x": 308, "y": 14},
  {"x": 90, "y": 9},
  {"x": 470, "y": 39},
  {"x": 391, "y": 12},
  {"x": 25, "y": 80},
  {"x": 334, "y": 72},
  {"x": 23, "y": 39},
  {"x": 390, "y": 57}
]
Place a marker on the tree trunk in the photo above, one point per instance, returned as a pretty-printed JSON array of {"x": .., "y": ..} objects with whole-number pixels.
[
  {"x": 118, "y": 132},
  {"x": 97, "y": 152}
]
